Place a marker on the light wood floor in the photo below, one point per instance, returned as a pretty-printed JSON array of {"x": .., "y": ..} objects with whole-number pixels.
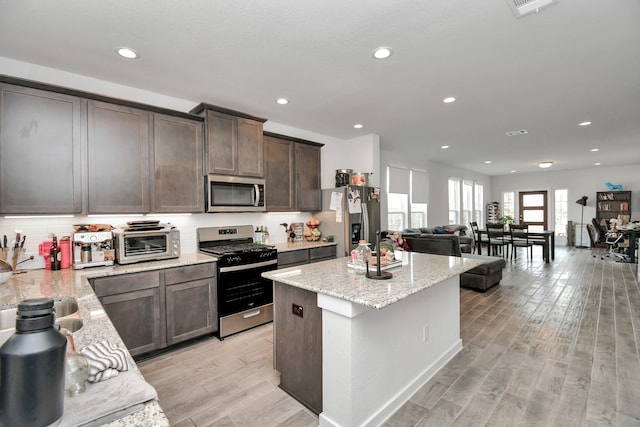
[{"x": 554, "y": 345}]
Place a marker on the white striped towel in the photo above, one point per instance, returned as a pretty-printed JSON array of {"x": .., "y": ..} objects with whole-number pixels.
[{"x": 106, "y": 360}]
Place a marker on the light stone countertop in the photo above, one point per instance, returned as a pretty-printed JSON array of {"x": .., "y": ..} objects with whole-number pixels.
[
  {"x": 297, "y": 246},
  {"x": 334, "y": 278},
  {"x": 97, "y": 326}
]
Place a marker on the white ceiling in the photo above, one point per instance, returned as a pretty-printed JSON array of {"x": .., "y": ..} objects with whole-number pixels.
[{"x": 574, "y": 61}]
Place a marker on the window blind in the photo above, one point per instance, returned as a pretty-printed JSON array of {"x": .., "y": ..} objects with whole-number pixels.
[
  {"x": 419, "y": 187},
  {"x": 398, "y": 180}
]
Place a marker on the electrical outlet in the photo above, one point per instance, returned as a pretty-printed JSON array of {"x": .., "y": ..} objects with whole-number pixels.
[
  {"x": 425, "y": 333},
  {"x": 297, "y": 310}
]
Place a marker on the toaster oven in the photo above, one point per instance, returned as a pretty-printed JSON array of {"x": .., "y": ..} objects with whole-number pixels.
[{"x": 153, "y": 244}]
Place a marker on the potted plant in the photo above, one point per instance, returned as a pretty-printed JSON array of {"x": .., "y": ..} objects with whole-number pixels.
[{"x": 505, "y": 220}]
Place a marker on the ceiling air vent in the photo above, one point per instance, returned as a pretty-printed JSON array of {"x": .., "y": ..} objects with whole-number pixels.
[
  {"x": 516, "y": 132},
  {"x": 525, "y": 7}
]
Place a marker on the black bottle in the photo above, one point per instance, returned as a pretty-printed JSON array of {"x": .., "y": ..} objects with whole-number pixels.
[
  {"x": 54, "y": 252},
  {"x": 32, "y": 368}
]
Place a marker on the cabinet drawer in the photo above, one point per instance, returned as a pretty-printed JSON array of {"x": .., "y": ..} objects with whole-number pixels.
[
  {"x": 290, "y": 258},
  {"x": 322, "y": 252},
  {"x": 114, "y": 285},
  {"x": 189, "y": 273}
]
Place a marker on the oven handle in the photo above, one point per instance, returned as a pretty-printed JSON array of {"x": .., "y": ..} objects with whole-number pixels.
[
  {"x": 252, "y": 314},
  {"x": 248, "y": 266}
]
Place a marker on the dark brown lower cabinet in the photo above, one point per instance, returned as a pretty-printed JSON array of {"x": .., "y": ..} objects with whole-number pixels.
[
  {"x": 306, "y": 256},
  {"x": 134, "y": 302},
  {"x": 298, "y": 344},
  {"x": 155, "y": 309},
  {"x": 191, "y": 302}
]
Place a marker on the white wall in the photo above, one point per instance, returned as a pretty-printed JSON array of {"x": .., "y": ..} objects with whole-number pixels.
[{"x": 579, "y": 182}]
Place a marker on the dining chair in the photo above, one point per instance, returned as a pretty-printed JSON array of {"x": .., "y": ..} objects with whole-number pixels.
[
  {"x": 497, "y": 240},
  {"x": 484, "y": 240},
  {"x": 519, "y": 238}
]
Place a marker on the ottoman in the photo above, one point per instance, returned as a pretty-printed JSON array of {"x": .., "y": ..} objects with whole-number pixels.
[{"x": 484, "y": 276}]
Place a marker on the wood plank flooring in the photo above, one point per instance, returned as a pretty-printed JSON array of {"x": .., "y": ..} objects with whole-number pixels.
[{"x": 553, "y": 345}]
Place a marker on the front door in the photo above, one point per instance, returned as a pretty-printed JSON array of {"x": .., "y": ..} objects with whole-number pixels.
[{"x": 533, "y": 209}]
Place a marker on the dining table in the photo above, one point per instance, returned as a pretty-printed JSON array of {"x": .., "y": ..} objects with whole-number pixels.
[{"x": 546, "y": 238}]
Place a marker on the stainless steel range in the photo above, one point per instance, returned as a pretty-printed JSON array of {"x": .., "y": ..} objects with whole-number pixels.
[{"x": 245, "y": 298}]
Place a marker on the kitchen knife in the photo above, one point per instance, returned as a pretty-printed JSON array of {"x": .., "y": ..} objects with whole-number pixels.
[
  {"x": 4, "y": 242},
  {"x": 22, "y": 241},
  {"x": 15, "y": 245}
]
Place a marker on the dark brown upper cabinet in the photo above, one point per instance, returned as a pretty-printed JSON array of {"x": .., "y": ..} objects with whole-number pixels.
[
  {"x": 40, "y": 152},
  {"x": 118, "y": 149},
  {"x": 233, "y": 141},
  {"x": 177, "y": 184},
  {"x": 292, "y": 174}
]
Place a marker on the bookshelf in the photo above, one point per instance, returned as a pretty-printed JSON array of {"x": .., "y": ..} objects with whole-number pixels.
[{"x": 610, "y": 204}]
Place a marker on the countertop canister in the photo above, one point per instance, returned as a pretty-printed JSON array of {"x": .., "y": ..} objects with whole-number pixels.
[{"x": 32, "y": 368}]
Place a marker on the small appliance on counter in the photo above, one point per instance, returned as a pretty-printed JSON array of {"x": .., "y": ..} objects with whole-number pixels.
[
  {"x": 138, "y": 241},
  {"x": 92, "y": 248}
]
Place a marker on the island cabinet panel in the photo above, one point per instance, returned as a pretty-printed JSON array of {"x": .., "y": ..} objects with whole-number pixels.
[
  {"x": 279, "y": 170},
  {"x": 134, "y": 303},
  {"x": 322, "y": 253},
  {"x": 308, "y": 195},
  {"x": 191, "y": 302},
  {"x": 177, "y": 184},
  {"x": 40, "y": 152},
  {"x": 298, "y": 344},
  {"x": 234, "y": 144},
  {"x": 118, "y": 148}
]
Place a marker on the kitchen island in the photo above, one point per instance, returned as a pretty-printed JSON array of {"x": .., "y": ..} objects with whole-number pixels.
[
  {"x": 371, "y": 343},
  {"x": 74, "y": 284}
]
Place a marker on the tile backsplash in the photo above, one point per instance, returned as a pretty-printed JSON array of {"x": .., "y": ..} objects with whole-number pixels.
[{"x": 38, "y": 230}]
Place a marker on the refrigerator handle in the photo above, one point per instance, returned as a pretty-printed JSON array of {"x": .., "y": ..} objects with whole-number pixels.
[{"x": 365, "y": 223}]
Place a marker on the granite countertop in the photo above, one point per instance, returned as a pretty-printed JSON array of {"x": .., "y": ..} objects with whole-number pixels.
[
  {"x": 334, "y": 278},
  {"x": 297, "y": 246},
  {"x": 97, "y": 326}
]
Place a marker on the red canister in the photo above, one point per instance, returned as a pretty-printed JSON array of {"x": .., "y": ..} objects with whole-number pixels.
[{"x": 43, "y": 250}]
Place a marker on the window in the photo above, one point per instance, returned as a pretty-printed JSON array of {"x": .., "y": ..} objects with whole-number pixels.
[
  {"x": 418, "y": 215},
  {"x": 397, "y": 211},
  {"x": 561, "y": 210},
  {"x": 508, "y": 207},
  {"x": 454, "y": 201},
  {"x": 467, "y": 202},
  {"x": 478, "y": 213}
]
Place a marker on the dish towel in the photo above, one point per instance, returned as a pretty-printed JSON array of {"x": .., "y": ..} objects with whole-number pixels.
[{"x": 106, "y": 360}]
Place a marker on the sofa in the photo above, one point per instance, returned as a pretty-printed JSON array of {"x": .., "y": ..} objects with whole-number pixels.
[
  {"x": 479, "y": 278},
  {"x": 464, "y": 239}
]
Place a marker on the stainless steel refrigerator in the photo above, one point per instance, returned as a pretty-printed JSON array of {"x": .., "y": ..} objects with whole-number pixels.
[{"x": 350, "y": 214}]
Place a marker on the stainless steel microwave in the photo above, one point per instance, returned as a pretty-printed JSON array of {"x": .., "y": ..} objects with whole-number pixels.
[{"x": 235, "y": 194}]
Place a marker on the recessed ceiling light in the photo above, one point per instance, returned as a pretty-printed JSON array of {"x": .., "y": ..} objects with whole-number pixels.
[
  {"x": 512, "y": 171},
  {"x": 126, "y": 52},
  {"x": 487, "y": 161},
  {"x": 595, "y": 149},
  {"x": 597, "y": 163},
  {"x": 282, "y": 101},
  {"x": 449, "y": 100},
  {"x": 584, "y": 124},
  {"x": 357, "y": 126},
  {"x": 444, "y": 147},
  {"x": 545, "y": 165},
  {"x": 382, "y": 53}
]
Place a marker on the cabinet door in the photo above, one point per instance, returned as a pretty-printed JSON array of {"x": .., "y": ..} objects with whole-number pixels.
[
  {"x": 177, "y": 184},
  {"x": 297, "y": 339},
  {"x": 222, "y": 143},
  {"x": 292, "y": 258},
  {"x": 191, "y": 310},
  {"x": 250, "y": 148},
  {"x": 40, "y": 145},
  {"x": 118, "y": 139},
  {"x": 136, "y": 317},
  {"x": 308, "y": 195},
  {"x": 279, "y": 184}
]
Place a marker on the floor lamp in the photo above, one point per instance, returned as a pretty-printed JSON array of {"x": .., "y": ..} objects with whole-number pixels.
[{"x": 582, "y": 201}]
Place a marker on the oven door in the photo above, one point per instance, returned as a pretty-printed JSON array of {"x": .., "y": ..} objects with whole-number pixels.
[
  {"x": 143, "y": 246},
  {"x": 242, "y": 287}
]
